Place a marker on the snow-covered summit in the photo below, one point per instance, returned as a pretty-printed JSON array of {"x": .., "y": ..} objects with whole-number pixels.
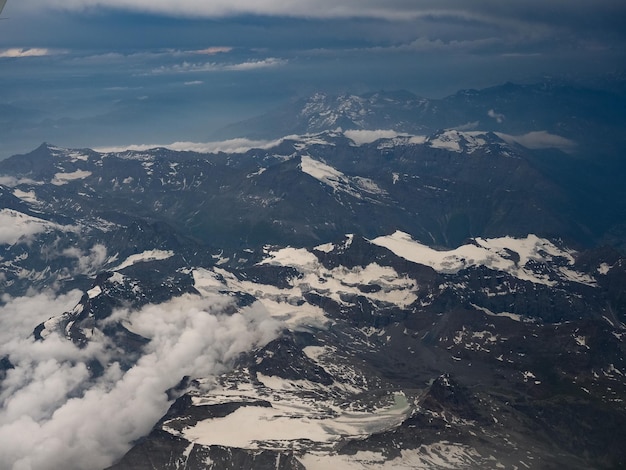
[{"x": 531, "y": 258}]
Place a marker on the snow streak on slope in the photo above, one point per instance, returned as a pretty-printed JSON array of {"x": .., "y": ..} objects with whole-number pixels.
[
  {"x": 150, "y": 255},
  {"x": 437, "y": 456},
  {"x": 511, "y": 255},
  {"x": 337, "y": 180}
]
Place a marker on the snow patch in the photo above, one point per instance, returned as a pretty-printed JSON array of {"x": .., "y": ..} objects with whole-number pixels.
[
  {"x": 297, "y": 257},
  {"x": 150, "y": 255},
  {"x": 325, "y": 248},
  {"x": 27, "y": 196},
  {"x": 581, "y": 341},
  {"x": 117, "y": 278},
  {"x": 206, "y": 282},
  {"x": 440, "y": 455},
  {"x": 95, "y": 292},
  {"x": 361, "y": 137},
  {"x": 315, "y": 352},
  {"x": 512, "y": 316},
  {"x": 493, "y": 253},
  {"x": 456, "y": 141},
  {"x": 288, "y": 421},
  {"x": 321, "y": 171},
  {"x": 64, "y": 178}
]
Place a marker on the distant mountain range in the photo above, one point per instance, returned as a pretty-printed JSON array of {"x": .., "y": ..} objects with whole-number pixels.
[
  {"x": 393, "y": 282},
  {"x": 560, "y": 108}
]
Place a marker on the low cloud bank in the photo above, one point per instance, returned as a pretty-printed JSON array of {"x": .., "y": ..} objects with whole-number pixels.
[
  {"x": 540, "y": 140},
  {"x": 238, "y": 145},
  {"x": 16, "y": 227},
  {"x": 53, "y": 415},
  {"x": 361, "y": 137}
]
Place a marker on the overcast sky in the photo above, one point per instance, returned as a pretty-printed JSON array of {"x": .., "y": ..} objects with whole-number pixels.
[{"x": 184, "y": 68}]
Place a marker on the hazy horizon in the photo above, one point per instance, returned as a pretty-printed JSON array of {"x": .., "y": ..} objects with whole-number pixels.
[{"x": 82, "y": 74}]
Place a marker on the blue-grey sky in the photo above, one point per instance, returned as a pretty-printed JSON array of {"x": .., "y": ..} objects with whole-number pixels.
[{"x": 94, "y": 73}]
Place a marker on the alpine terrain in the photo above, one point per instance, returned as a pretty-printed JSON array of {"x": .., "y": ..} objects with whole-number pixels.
[{"x": 384, "y": 282}]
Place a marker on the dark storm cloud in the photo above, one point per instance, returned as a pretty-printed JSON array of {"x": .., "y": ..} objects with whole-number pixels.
[
  {"x": 602, "y": 17},
  {"x": 335, "y": 8}
]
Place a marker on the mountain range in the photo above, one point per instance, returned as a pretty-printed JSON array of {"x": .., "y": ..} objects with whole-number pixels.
[{"x": 385, "y": 282}]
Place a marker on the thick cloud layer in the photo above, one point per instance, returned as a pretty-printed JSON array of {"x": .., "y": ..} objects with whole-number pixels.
[
  {"x": 53, "y": 416},
  {"x": 532, "y": 10}
]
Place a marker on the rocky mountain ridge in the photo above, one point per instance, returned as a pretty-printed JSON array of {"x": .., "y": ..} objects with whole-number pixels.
[{"x": 355, "y": 299}]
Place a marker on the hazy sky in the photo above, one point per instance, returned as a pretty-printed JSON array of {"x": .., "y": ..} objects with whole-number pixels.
[{"x": 89, "y": 73}]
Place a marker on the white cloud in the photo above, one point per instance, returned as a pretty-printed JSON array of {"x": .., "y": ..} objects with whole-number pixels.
[
  {"x": 239, "y": 145},
  {"x": 42, "y": 428},
  {"x": 256, "y": 64},
  {"x": 497, "y": 116},
  {"x": 18, "y": 316},
  {"x": 16, "y": 227},
  {"x": 12, "y": 181},
  {"x": 540, "y": 140},
  {"x": 88, "y": 263},
  {"x": 468, "y": 126},
  {"x": 27, "y": 52},
  {"x": 212, "y": 50},
  {"x": 190, "y": 67}
]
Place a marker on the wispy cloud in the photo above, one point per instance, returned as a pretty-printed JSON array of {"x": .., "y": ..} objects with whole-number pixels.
[
  {"x": 540, "y": 140},
  {"x": 425, "y": 44},
  {"x": 26, "y": 52},
  {"x": 87, "y": 263},
  {"x": 212, "y": 50},
  {"x": 497, "y": 116},
  {"x": 239, "y": 145},
  {"x": 256, "y": 64},
  {"x": 190, "y": 67},
  {"x": 12, "y": 181}
]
